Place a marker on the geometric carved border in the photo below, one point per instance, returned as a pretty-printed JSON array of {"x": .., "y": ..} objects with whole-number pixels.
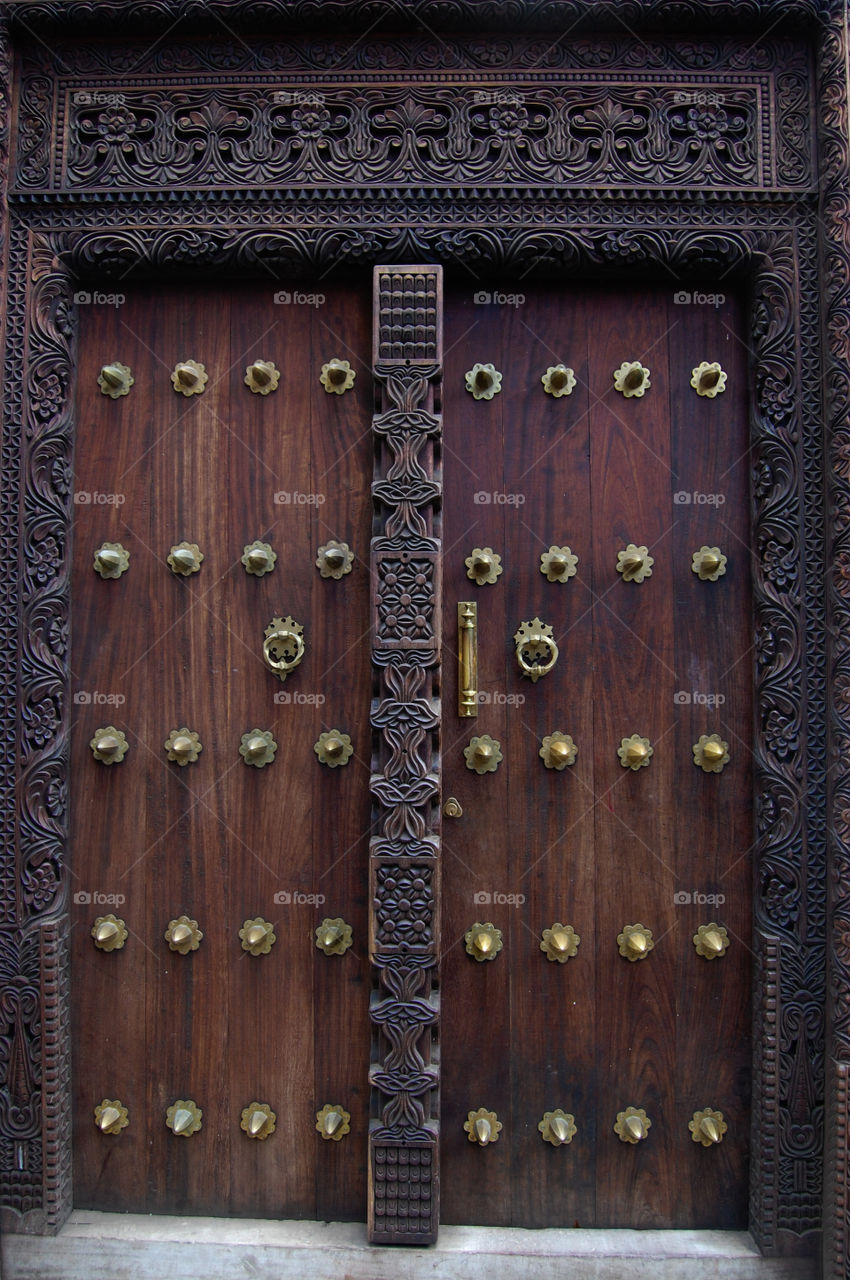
[{"x": 770, "y": 245}]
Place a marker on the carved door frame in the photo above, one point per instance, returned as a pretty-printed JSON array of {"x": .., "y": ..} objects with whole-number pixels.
[{"x": 772, "y": 226}]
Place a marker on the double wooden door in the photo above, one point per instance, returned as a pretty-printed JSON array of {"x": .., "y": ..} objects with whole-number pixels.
[{"x": 594, "y": 845}]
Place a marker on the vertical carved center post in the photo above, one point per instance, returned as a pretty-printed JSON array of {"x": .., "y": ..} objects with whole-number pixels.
[{"x": 404, "y": 853}]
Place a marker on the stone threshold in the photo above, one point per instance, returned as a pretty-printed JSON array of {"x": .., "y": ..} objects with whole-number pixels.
[{"x": 114, "y": 1246}]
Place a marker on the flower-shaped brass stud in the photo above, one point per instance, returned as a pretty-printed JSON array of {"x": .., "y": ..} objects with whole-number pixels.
[
  {"x": 557, "y": 1127},
  {"x": 333, "y": 1121},
  {"x": 111, "y": 560},
  {"x": 183, "y": 1117},
  {"x": 483, "y": 566},
  {"x": 558, "y": 380},
  {"x": 707, "y": 1127},
  {"x": 189, "y": 378},
  {"x": 632, "y": 1125},
  {"x": 183, "y": 746},
  {"x": 558, "y": 750},
  {"x": 337, "y": 376},
  {"x": 258, "y": 558},
  {"x": 634, "y": 563},
  {"x": 483, "y": 755},
  {"x": 632, "y": 378},
  {"x": 483, "y": 941},
  {"x": 635, "y": 942},
  {"x": 711, "y": 753},
  {"x": 483, "y": 381},
  {"x": 109, "y": 933},
  {"x": 709, "y": 564},
  {"x": 334, "y": 559},
  {"x": 262, "y": 377},
  {"x": 560, "y": 943},
  {"x": 635, "y": 752},
  {"x": 258, "y": 747},
  {"x": 185, "y": 558},
  {"x": 257, "y": 936},
  {"x": 708, "y": 379},
  {"x": 482, "y": 1126},
  {"x": 558, "y": 564},
  {"x": 333, "y": 748},
  {"x": 334, "y": 936},
  {"x": 258, "y": 1120},
  {"x": 183, "y": 935},
  {"x": 111, "y": 1116},
  {"x": 115, "y": 380},
  {"x": 711, "y": 941},
  {"x": 109, "y": 745}
]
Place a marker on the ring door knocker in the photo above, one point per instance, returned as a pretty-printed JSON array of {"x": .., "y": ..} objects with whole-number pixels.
[
  {"x": 283, "y": 647},
  {"x": 536, "y": 651}
]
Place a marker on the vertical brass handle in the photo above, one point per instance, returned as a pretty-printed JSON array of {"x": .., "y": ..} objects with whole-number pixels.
[{"x": 467, "y": 656}]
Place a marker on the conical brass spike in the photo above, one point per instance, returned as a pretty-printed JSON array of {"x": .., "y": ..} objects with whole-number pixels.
[
  {"x": 632, "y": 560},
  {"x": 183, "y": 557},
  {"x": 559, "y": 1128},
  {"x": 560, "y": 940},
  {"x": 633, "y": 379},
  {"x": 335, "y": 557},
  {"x": 105, "y": 931},
  {"x": 482, "y": 563},
  {"x": 108, "y": 1117},
  {"x": 334, "y": 747},
  {"x": 636, "y": 942},
  {"x": 331, "y": 1122},
  {"x": 261, "y": 375},
  {"x": 255, "y": 748},
  {"x": 336, "y": 373},
  {"x": 708, "y": 1126},
  {"x": 187, "y": 375},
  {"x": 483, "y": 752},
  {"x": 107, "y": 745},
  {"x": 710, "y": 562},
  {"x": 258, "y": 1120},
  {"x": 255, "y": 934},
  {"x": 181, "y": 745},
  {"x": 634, "y": 1124},
  {"x": 635, "y": 751},
  {"x": 483, "y": 379},
  {"x": 559, "y": 749},
  {"x": 713, "y": 751},
  {"x": 108, "y": 558},
  {"x": 483, "y": 1130},
  {"x": 331, "y": 935},
  {"x": 709, "y": 379},
  {"x": 180, "y": 933},
  {"x": 182, "y": 1120},
  {"x": 483, "y": 942},
  {"x": 258, "y": 558},
  {"x": 112, "y": 375},
  {"x": 558, "y": 378},
  {"x": 712, "y": 941}
]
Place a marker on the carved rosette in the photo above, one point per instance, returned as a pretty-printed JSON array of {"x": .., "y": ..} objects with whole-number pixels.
[{"x": 404, "y": 863}]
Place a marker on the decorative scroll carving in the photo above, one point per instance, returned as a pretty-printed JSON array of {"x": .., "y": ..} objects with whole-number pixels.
[
  {"x": 835, "y": 268},
  {"x": 404, "y": 865}
]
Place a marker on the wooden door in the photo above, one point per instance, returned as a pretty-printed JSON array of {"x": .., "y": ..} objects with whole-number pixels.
[
  {"x": 597, "y": 845},
  {"x": 218, "y": 840}
]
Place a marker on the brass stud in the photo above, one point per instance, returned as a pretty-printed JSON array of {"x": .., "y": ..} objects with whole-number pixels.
[
  {"x": 483, "y": 941},
  {"x": 632, "y": 379},
  {"x": 333, "y": 1122},
  {"x": 453, "y": 808},
  {"x": 185, "y": 558},
  {"x": 632, "y": 1125},
  {"x": 111, "y": 560},
  {"x": 558, "y": 750},
  {"x": 262, "y": 377},
  {"x": 115, "y": 380},
  {"x": 183, "y": 1117},
  {"x": 337, "y": 376},
  {"x": 111, "y": 1116},
  {"x": 711, "y": 941},
  {"x": 709, "y": 564},
  {"x": 483, "y": 381},
  {"x": 635, "y": 942},
  {"x": 711, "y": 753},
  {"x": 482, "y": 1126},
  {"x": 183, "y": 746},
  {"x": 558, "y": 564},
  {"x": 560, "y": 943},
  {"x": 483, "y": 754},
  {"x": 557, "y": 1127},
  {"x": 333, "y": 936},
  {"x": 333, "y": 748},
  {"x": 109, "y": 933},
  {"x": 708, "y": 1127},
  {"x": 183, "y": 935},
  {"x": 483, "y": 565},
  {"x": 109, "y": 746},
  {"x": 257, "y": 936},
  {"x": 258, "y": 558},
  {"x": 258, "y": 747},
  {"x": 334, "y": 560},
  {"x": 708, "y": 379},
  {"x": 635, "y": 752},
  {"x": 558, "y": 380},
  {"x": 258, "y": 1120},
  {"x": 634, "y": 563},
  {"x": 189, "y": 378}
]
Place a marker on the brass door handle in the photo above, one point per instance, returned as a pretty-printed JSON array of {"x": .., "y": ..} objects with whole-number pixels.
[
  {"x": 534, "y": 643},
  {"x": 283, "y": 647}
]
